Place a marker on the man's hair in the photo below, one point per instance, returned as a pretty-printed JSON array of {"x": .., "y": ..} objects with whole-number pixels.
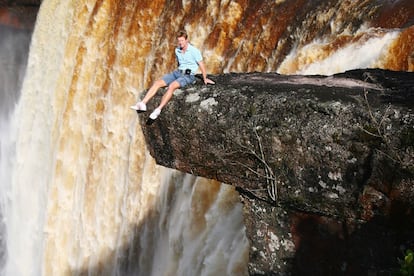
[{"x": 182, "y": 34}]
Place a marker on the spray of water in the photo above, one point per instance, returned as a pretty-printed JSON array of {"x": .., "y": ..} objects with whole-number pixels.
[
  {"x": 14, "y": 45},
  {"x": 26, "y": 162}
]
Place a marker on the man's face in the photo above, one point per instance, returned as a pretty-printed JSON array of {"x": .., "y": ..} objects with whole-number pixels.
[{"x": 182, "y": 42}]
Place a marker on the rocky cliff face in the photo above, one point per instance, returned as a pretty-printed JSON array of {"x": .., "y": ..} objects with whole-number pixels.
[{"x": 324, "y": 165}]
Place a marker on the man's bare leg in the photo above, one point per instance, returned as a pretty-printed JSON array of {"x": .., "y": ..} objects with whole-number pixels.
[
  {"x": 153, "y": 90},
  {"x": 141, "y": 106},
  {"x": 168, "y": 94},
  {"x": 165, "y": 99}
]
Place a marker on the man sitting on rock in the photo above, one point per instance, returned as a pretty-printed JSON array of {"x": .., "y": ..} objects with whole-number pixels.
[{"x": 189, "y": 60}]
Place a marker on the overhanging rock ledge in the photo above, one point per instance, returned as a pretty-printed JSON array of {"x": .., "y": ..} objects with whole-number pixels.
[{"x": 337, "y": 151}]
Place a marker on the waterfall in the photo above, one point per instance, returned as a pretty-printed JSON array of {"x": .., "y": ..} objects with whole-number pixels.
[
  {"x": 84, "y": 196},
  {"x": 80, "y": 193},
  {"x": 13, "y": 54}
]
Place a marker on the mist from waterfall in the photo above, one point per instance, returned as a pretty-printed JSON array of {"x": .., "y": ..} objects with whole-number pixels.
[{"x": 14, "y": 46}]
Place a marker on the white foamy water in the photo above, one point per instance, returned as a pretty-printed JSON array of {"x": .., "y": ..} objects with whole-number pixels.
[
  {"x": 6, "y": 155},
  {"x": 30, "y": 157},
  {"x": 367, "y": 52}
]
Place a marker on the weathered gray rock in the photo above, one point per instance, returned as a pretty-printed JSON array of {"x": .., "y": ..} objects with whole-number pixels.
[{"x": 333, "y": 153}]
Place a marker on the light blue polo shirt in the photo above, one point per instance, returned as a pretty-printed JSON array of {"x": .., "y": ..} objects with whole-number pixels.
[{"x": 189, "y": 59}]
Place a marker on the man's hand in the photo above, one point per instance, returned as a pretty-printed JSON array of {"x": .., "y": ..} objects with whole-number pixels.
[
  {"x": 208, "y": 81},
  {"x": 204, "y": 73}
]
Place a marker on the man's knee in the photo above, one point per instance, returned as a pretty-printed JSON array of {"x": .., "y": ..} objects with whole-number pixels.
[
  {"x": 160, "y": 83},
  {"x": 174, "y": 85}
]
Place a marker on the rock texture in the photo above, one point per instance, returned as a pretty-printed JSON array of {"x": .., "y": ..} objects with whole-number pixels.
[{"x": 324, "y": 164}]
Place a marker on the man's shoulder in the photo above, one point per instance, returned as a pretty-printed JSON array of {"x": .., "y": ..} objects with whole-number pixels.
[{"x": 191, "y": 47}]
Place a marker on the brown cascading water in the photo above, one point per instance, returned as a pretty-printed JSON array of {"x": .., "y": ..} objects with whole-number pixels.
[{"x": 86, "y": 197}]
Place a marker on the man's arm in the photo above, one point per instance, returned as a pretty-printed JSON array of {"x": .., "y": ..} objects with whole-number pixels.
[{"x": 204, "y": 73}]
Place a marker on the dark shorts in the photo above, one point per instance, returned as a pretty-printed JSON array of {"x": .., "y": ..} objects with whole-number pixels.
[{"x": 182, "y": 78}]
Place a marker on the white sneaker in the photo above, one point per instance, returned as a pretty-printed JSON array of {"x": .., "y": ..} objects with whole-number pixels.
[
  {"x": 140, "y": 107},
  {"x": 155, "y": 113}
]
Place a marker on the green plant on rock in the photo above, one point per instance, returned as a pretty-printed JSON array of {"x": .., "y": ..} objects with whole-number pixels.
[{"x": 407, "y": 265}]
